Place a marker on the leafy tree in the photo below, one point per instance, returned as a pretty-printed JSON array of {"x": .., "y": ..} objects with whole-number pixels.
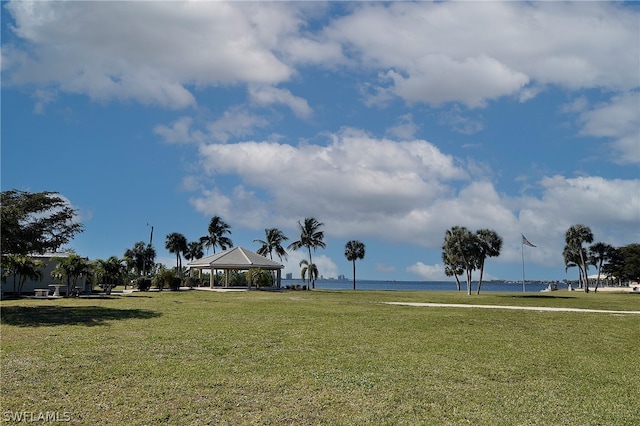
[
  {"x": 21, "y": 268},
  {"x": 69, "y": 269},
  {"x": 308, "y": 268},
  {"x": 575, "y": 237},
  {"x": 353, "y": 251},
  {"x": 139, "y": 257},
  {"x": 273, "y": 242},
  {"x": 631, "y": 256},
  {"x": 600, "y": 253},
  {"x": 310, "y": 237},
  {"x": 35, "y": 222},
  {"x": 489, "y": 245},
  {"x": 216, "y": 236},
  {"x": 176, "y": 243},
  {"x": 624, "y": 263}
]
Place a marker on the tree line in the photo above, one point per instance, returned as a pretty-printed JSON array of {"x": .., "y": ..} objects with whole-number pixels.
[
  {"x": 38, "y": 223},
  {"x": 43, "y": 222},
  {"x": 619, "y": 264}
]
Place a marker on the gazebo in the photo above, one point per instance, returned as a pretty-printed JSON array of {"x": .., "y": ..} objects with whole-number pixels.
[{"x": 236, "y": 259}]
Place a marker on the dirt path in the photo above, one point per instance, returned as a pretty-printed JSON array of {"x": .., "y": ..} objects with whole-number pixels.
[{"x": 521, "y": 308}]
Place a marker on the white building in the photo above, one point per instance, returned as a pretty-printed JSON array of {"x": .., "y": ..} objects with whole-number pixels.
[{"x": 50, "y": 262}]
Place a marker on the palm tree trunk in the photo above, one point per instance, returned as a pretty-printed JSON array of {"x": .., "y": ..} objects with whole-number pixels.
[
  {"x": 457, "y": 281},
  {"x": 354, "y": 274},
  {"x": 584, "y": 272},
  {"x": 468, "y": 281},
  {"x": 595, "y": 290},
  {"x": 481, "y": 273},
  {"x": 311, "y": 282}
]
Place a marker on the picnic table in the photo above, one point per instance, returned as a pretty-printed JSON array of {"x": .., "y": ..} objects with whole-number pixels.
[
  {"x": 42, "y": 292},
  {"x": 56, "y": 291}
]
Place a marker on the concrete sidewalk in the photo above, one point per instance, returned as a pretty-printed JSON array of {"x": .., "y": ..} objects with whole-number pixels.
[{"x": 521, "y": 308}]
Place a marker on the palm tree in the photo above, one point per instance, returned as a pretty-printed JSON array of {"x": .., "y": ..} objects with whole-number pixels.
[
  {"x": 462, "y": 248},
  {"x": 452, "y": 266},
  {"x": 22, "y": 268},
  {"x": 111, "y": 271},
  {"x": 489, "y": 245},
  {"x": 140, "y": 256},
  {"x": 176, "y": 243},
  {"x": 571, "y": 259},
  {"x": 273, "y": 242},
  {"x": 353, "y": 251},
  {"x": 575, "y": 236},
  {"x": 311, "y": 268},
  {"x": 216, "y": 237},
  {"x": 69, "y": 269},
  {"x": 600, "y": 253},
  {"x": 310, "y": 237},
  {"x": 194, "y": 251}
]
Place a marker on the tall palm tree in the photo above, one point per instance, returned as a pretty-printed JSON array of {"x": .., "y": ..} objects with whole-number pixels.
[
  {"x": 600, "y": 253},
  {"x": 310, "y": 237},
  {"x": 489, "y": 245},
  {"x": 575, "y": 236},
  {"x": 216, "y": 236},
  {"x": 194, "y": 251},
  {"x": 571, "y": 259},
  {"x": 21, "y": 268},
  {"x": 461, "y": 246},
  {"x": 140, "y": 256},
  {"x": 309, "y": 268},
  {"x": 353, "y": 251},
  {"x": 273, "y": 242},
  {"x": 176, "y": 243}
]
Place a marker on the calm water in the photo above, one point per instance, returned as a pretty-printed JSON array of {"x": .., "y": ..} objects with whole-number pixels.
[{"x": 420, "y": 285}]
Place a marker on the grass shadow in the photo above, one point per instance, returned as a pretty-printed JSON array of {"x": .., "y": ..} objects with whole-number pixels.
[{"x": 35, "y": 316}]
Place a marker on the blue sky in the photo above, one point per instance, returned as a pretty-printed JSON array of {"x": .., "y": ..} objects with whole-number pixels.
[{"x": 388, "y": 122}]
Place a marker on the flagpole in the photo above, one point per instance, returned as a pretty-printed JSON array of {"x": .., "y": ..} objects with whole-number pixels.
[{"x": 522, "y": 249}]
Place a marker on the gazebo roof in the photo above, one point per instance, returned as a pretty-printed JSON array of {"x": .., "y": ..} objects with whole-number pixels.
[{"x": 235, "y": 258}]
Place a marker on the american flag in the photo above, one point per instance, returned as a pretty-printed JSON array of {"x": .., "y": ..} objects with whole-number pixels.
[{"x": 526, "y": 242}]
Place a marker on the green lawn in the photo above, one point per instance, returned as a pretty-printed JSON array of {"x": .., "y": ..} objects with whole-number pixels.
[{"x": 322, "y": 357}]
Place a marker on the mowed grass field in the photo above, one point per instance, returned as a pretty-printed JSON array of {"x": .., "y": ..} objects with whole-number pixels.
[{"x": 322, "y": 357}]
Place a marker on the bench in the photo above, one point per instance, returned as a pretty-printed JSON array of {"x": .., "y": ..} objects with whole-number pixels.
[{"x": 42, "y": 292}]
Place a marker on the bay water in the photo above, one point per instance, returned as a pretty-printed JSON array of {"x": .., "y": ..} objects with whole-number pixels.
[{"x": 487, "y": 286}]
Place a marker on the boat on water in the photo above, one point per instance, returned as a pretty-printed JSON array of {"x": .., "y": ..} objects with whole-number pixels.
[{"x": 550, "y": 287}]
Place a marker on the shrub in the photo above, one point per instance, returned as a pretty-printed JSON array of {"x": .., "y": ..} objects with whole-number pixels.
[
  {"x": 143, "y": 283},
  {"x": 237, "y": 279},
  {"x": 164, "y": 278},
  {"x": 192, "y": 282},
  {"x": 259, "y": 278},
  {"x": 175, "y": 283}
]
